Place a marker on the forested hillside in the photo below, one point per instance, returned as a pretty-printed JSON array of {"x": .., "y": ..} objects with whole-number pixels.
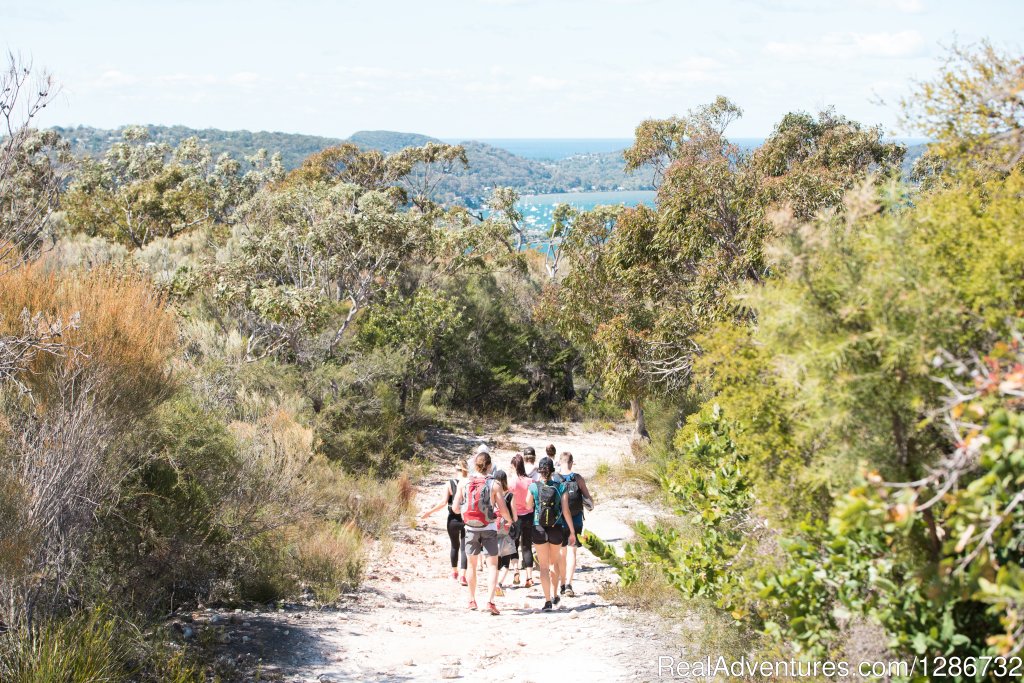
[{"x": 489, "y": 166}]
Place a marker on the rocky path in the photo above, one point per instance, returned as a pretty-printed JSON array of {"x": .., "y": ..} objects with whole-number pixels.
[{"x": 409, "y": 620}]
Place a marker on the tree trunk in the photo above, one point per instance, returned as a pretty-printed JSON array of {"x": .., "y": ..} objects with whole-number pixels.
[
  {"x": 568, "y": 383},
  {"x": 403, "y": 395},
  {"x": 640, "y": 424}
]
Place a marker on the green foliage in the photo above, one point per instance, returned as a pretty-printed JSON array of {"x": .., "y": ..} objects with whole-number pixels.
[
  {"x": 489, "y": 166},
  {"x": 140, "y": 191},
  {"x": 861, "y": 307},
  {"x": 734, "y": 375},
  {"x": 365, "y": 431},
  {"x": 503, "y": 358},
  {"x": 91, "y": 647},
  {"x": 314, "y": 252},
  {"x": 421, "y": 328},
  {"x": 643, "y": 283},
  {"x": 195, "y": 517},
  {"x": 712, "y": 495},
  {"x": 838, "y": 378},
  {"x": 971, "y": 112}
]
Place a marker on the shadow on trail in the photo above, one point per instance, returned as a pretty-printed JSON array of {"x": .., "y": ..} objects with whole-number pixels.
[
  {"x": 452, "y": 445},
  {"x": 281, "y": 645}
]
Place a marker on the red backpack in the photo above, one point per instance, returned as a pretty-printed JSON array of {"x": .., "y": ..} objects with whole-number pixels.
[{"x": 479, "y": 510}]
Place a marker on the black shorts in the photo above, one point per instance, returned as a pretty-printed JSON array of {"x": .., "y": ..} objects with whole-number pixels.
[
  {"x": 555, "y": 535},
  {"x": 579, "y": 532}
]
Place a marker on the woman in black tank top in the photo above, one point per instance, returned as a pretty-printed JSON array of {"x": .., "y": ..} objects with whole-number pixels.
[{"x": 455, "y": 526}]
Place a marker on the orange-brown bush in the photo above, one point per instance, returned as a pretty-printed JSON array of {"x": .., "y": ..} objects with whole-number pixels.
[{"x": 115, "y": 328}]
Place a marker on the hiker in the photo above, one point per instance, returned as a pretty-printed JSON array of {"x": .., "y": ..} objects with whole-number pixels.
[
  {"x": 551, "y": 452},
  {"x": 456, "y": 527},
  {"x": 480, "y": 501},
  {"x": 520, "y": 488},
  {"x": 484, "y": 448},
  {"x": 578, "y": 497},
  {"x": 551, "y": 507},
  {"x": 530, "y": 462},
  {"x": 506, "y": 543}
]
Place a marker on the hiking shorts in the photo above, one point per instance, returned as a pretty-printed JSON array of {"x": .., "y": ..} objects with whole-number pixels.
[
  {"x": 549, "y": 534},
  {"x": 481, "y": 541},
  {"x": 577, "y": 524}
]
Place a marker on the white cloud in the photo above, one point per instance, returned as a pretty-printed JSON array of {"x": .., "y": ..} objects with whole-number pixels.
[
  {"x": 904, "y": 6},
  {"x": 547, "y": 83},
  {"x": 850, "y": 45},
  {"x": 113, "y": 79},
  {"x": 688, "y": 71},
  {"x": 244, "y": 78}
]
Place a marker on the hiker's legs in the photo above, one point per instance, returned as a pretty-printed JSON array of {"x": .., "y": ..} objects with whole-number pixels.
[
  {"x": 457, "y": 535},
  {"x": 492, "y": 563},
  {"x": 571, "y": 562},
  {"x": 561, "y": 565},
  {"x": 503, "y": 565},
  {"x": 471, "y": 577},
  {"x": 544, "y": 564},
  {"x": 462, "y": 550},
  {"x": 526, "y": 543}
]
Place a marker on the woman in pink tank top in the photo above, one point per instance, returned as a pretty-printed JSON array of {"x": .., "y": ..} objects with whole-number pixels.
[{"x": 520, "y": 488}]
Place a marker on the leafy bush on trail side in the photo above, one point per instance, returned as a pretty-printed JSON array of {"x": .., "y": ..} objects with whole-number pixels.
[
  {"x": 181, "y": 506},
  {"x": 966, "y": 604}
]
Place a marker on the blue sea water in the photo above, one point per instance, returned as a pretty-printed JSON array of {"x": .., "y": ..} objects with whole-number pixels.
[{"x": 538, "y": 209}]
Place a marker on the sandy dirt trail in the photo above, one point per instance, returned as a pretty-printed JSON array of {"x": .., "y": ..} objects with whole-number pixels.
[{"x": 409, "y": 621}]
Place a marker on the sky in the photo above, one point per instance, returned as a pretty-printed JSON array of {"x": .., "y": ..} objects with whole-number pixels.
[{"x": 487, "y": 68}]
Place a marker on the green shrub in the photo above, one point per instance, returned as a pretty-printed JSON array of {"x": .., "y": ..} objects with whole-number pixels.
[
  {"x": 269, "y": 574},
  {"x": 365, "y": 434},
  {"x": 90, "y": 647},
  {"x": 174, "y": 529}
]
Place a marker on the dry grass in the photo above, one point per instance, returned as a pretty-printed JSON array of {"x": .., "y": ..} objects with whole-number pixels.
[
  {"x": 110, "y": 340},
  {"x": 406, "y": 490},
  {"x": 117, "y": 330},
  {"x": 649, "y": 592},
  {"x": 329, "y": 559},
  {"x": 371, "y": 504}
]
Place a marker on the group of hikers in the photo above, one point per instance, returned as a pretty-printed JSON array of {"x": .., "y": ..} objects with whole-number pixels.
[{"x": 532, "y": 521}]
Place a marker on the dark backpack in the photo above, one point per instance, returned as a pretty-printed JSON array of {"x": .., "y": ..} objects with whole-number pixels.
[
  {"x": 479, "y": 510},
  {"x": 548, "y": 505},
  {"x": 572, "y": 490}
]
